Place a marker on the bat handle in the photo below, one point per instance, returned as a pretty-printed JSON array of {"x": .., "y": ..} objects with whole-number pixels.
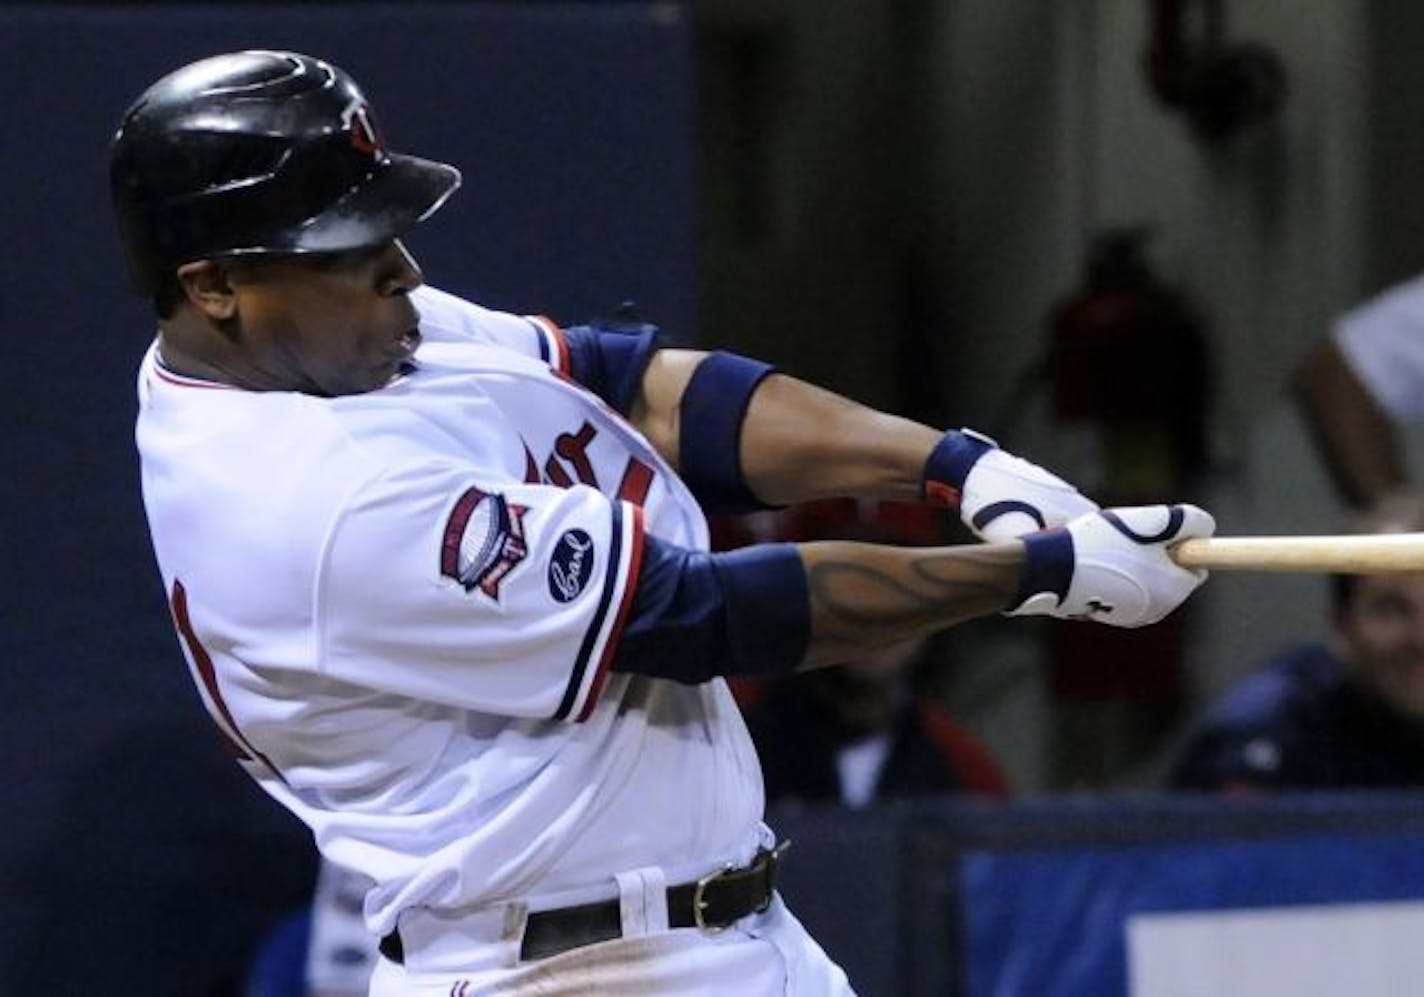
[{"x": 1350, "y": 554}]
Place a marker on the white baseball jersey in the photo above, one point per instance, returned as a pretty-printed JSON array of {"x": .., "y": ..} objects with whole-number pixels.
[
  {"x": 1383, "y": 341},
  {"x": 400, "y": 608}
]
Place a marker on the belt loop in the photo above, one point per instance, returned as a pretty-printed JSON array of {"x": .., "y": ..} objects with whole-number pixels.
[
  {"x": 643, "y": 901},
  {"x": 516, "y": 919}
]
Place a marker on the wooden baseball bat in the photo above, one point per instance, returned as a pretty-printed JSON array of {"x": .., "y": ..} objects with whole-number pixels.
[{"x": 1350, "y": 554}]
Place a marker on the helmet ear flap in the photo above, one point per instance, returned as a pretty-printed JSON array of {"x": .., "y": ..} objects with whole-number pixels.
[{"x": 259, "y": 152}]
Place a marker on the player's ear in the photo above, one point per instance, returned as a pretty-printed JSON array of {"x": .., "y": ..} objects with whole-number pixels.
[{"x": 206, "y": 287}]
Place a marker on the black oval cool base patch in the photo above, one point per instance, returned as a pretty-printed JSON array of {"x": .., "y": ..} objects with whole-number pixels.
[{"x": 571, "y": 565}]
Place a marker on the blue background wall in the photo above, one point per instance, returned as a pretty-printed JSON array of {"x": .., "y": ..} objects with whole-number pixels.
[
  {"x": 136, "y": 857},
  {"x": 963, "y": 898}
]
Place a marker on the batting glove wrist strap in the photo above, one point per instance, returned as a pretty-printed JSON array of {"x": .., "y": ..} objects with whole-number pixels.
[
  {"x": 1047, "y": 570},
  {"x": 999, "y": 496},
  {"x": 1120, "y": 571},
  {"x": 949, "y": 463}
]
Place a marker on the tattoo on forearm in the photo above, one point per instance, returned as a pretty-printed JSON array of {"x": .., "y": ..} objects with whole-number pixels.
[{"x": 936, "y": 587}]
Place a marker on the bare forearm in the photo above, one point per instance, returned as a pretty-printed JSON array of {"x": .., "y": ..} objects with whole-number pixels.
[
  {"x": 798, "y": 442},
  {"x": 864, "y": 596},
  {"x": 1357, "y": 439},
  {"x": 801, "y": 442}
]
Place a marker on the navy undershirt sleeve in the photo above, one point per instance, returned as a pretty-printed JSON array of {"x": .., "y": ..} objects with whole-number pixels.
[
  {"x": 610, "y": 360},
  {"x": 698, "y": 615}
]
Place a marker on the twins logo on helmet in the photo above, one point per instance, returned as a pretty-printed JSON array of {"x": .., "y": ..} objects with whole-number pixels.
[{"x": 365, "y": 135}]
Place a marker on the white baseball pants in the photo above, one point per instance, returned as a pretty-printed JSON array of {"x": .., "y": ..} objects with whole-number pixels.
[{"x": 763, "y": 955}]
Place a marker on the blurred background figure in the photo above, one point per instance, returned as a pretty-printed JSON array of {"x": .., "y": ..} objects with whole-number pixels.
[
  {"x": 871, "y": 729},
  {"x": 1361, "y": 385},
  {"x": 866, "y": 731},
  {"x": 319, "y": 951},
  {"x": 1347, "y": 713}
]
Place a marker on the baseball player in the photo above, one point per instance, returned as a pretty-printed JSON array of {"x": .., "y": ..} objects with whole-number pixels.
[{"x": 441, "y": 573}]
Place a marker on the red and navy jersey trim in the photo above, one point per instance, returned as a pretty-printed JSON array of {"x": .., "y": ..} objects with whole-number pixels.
[
  {"x": 601, "y": 641},
  {"x": 164, "y": 373},
  {"x": 553, "y": 345}
]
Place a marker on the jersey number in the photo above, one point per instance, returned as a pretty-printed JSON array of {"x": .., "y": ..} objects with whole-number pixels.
[{"x": 571, "y": 449}]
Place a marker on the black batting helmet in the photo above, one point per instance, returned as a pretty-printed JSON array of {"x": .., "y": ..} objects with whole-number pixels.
[{"x": 260, "y": 152}]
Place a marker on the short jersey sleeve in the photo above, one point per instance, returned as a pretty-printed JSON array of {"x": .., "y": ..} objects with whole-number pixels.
[
  {"x": 507, "y": 599},
  {"x": 447, "y": 318},
  {"x": 1383, "y": 341}
]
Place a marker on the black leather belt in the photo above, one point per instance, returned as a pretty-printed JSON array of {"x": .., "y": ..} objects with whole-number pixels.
[{"x": 711, "y": 903}]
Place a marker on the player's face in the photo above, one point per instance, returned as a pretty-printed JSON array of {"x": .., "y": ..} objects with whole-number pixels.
[
  {"x": 1382, "y": 630},
  {"x": 336, "y": 324}
]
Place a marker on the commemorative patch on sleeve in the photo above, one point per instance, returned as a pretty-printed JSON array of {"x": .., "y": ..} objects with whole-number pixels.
[{"x": 483, "y": 541}]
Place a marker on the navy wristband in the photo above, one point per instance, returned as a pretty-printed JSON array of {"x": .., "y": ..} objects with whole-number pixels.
[
  {"x": 949, "y": 463},
  {"x": 1048, "y": 565},
  {"x": 714, "y": 407}
]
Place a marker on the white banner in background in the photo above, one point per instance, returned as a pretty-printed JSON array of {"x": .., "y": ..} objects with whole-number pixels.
[{"x": 1335, "y": 950}]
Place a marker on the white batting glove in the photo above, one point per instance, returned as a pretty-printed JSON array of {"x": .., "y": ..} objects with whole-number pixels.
[
  {"x": 1112, "y": 566},
  {"x": 999, "y": 496}
]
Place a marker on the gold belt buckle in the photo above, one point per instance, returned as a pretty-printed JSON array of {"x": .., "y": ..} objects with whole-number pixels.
[{"x": 699, "y": 905}]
